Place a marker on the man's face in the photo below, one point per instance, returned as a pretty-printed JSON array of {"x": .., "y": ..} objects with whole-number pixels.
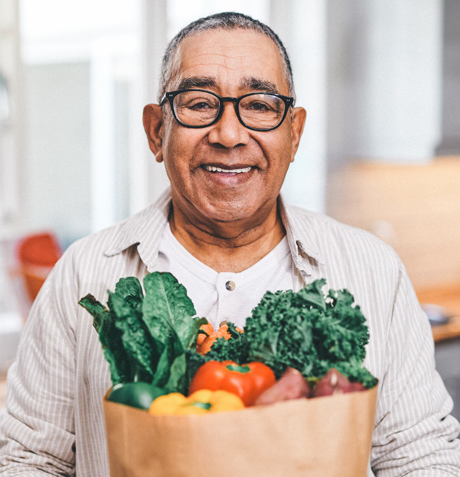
[{"x": 226, "y": 172}]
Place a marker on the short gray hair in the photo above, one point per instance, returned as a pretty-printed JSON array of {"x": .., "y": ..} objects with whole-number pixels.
[{"x": 224, "y": 21}]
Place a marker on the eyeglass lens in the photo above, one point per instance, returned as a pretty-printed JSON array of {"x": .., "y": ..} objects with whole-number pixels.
[{"x": 198, "y": 108}]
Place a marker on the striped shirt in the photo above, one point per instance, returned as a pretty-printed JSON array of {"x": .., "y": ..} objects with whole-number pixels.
[{"x": 54, "y": 425}]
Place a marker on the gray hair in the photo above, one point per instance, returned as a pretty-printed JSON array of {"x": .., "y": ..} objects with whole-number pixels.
[{"x": 224, "y": 21}]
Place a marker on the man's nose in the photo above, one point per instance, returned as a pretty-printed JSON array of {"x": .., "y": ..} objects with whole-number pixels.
[{"x": 228, "y": 131}]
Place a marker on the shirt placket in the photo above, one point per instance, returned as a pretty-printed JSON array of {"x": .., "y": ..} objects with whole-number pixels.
[{"x": 226, "y": 286}]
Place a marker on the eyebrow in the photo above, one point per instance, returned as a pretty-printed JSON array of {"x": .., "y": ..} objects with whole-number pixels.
[
  {"x": 197, "y": 82},
  {"x": 248, "y": 82},
  {"x": 258, "y": 84}
]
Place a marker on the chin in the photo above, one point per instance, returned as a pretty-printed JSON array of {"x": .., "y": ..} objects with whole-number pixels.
[{"x": 229, "y": 214}]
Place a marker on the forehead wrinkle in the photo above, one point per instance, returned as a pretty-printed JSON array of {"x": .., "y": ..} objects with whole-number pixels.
[{"x": 227, "y": 60}]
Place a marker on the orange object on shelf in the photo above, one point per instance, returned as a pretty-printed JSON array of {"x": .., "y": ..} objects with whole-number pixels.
[{"x": 36, "y": 255}]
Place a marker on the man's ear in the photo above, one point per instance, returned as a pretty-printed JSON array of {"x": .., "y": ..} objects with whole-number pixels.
[
  {"x": 299, "y": 116},
  {"x": 153, "y": 126}
]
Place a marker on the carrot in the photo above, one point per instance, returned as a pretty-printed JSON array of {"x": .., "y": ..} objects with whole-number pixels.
[
  {"x": 204, "y": 345},
  {"x": 208, "y": 329}
]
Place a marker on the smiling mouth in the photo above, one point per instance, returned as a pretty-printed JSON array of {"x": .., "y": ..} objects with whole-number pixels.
[{"x": 227, "y": 171}]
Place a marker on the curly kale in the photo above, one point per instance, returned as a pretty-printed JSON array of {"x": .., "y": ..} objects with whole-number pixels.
[
  {"x": 235, "y": 349},
  {"x": 306, "y": 330}
]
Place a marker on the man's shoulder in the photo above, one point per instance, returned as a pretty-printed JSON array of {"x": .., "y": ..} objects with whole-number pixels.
[
  {"x": 308, "y": 218},
  {"x": 126, "y": 233},
  {"x": 330, "y": 234}
]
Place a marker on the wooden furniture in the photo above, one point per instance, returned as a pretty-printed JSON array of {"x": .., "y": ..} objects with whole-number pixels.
[
  {"x": 448, "y": 297},
  {"x": 413, "y": 207},
  {"x": 449, "y": 331}
]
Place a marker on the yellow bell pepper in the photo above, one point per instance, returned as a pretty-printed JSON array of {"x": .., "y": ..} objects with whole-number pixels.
[{"x": 200, "y": 402}]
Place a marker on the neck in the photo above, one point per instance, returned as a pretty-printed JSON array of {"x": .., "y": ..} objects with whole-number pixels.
[{"x": 228, "y": 247}]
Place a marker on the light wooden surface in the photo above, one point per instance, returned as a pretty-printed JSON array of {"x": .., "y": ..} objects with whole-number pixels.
[
  {"x": 415, "y": 208},
  {"x": 447, "y": 296},
  {"x": 449, "y": 331}
]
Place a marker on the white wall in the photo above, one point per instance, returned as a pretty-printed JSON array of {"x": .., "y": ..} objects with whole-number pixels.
[
  {"x": 450, "y": 140},
  {"x": 56, "y": 186},
  {"x": 384, "y": 80}
]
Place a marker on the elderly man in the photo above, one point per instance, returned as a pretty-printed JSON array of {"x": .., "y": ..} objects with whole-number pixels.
[{"x": 226, "y": 129}]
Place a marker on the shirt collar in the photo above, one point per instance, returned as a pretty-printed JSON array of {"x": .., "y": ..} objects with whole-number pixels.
[
  {"x": 300, "y": 233},
  {"x": 145, "y": 230}
]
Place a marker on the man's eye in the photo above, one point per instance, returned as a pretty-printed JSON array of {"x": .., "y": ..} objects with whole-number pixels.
[
  {"x": 200, "y": 105},
  {"x": 259, "y": 107}
]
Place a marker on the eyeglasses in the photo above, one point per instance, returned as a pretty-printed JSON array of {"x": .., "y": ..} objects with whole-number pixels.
[{"x": 198, "y": 108}]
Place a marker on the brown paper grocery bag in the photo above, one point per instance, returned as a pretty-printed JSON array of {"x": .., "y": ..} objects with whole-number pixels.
[{"x": 320, "y": 437}]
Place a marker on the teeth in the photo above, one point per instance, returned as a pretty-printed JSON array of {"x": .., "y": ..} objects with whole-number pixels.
[{"x": 227, "y": 171}]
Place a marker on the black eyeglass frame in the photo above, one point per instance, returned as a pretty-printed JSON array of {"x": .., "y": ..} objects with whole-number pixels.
[{"x": 170, "y": 95}]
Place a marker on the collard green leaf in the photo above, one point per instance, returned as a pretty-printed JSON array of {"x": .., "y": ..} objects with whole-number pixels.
[
  {"x": 97, "y": 310},
  {"x": 145, "y": 338},
  {"x": 138, "y": 345},
  {"x": 163, "y": 366},
  {"x": 114, "y": 353},
  {"x": 110, "y": 338},
  {"x": 129, "y": 289},
  {"x": 177, "y": 374},
  {"x": 166, "y": 304}
]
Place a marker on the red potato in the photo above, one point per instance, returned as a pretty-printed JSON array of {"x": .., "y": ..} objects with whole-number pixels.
[
  {"x": 334, "y": 382},
  {"x": 356, "y": 387},
  {"x": 291, "y": 385}
]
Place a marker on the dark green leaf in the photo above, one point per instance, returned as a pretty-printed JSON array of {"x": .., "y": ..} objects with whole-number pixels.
[
  {"x": 177, "y": 374},
  {"x": 97, "y": 310},
  {"x": 166, "y": 304},
  {"x": 138, "y": 345},
  {"x": 110, "y": 338},
  {"x": 309, "y": 331}
]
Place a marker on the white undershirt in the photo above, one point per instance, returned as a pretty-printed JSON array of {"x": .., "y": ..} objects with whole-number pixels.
[{"x": 226, "y": 296}]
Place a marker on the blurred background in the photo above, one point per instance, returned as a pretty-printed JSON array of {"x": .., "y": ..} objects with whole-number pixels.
[{"x": 381, "y": 148}]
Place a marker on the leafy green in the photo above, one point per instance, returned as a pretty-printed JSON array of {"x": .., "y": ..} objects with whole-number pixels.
[
  {"x": 194, "y": 361},
  {"x": 166, "y": 305},
  {"x": 151, "y": 338},
  {"x": 110, "y": 338},
  {"x": 125, "y": 304},
  {"x": 306, "y": 330},
  {"x": 145, "y": 338},
  {"x": 235, "y": 349}
]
